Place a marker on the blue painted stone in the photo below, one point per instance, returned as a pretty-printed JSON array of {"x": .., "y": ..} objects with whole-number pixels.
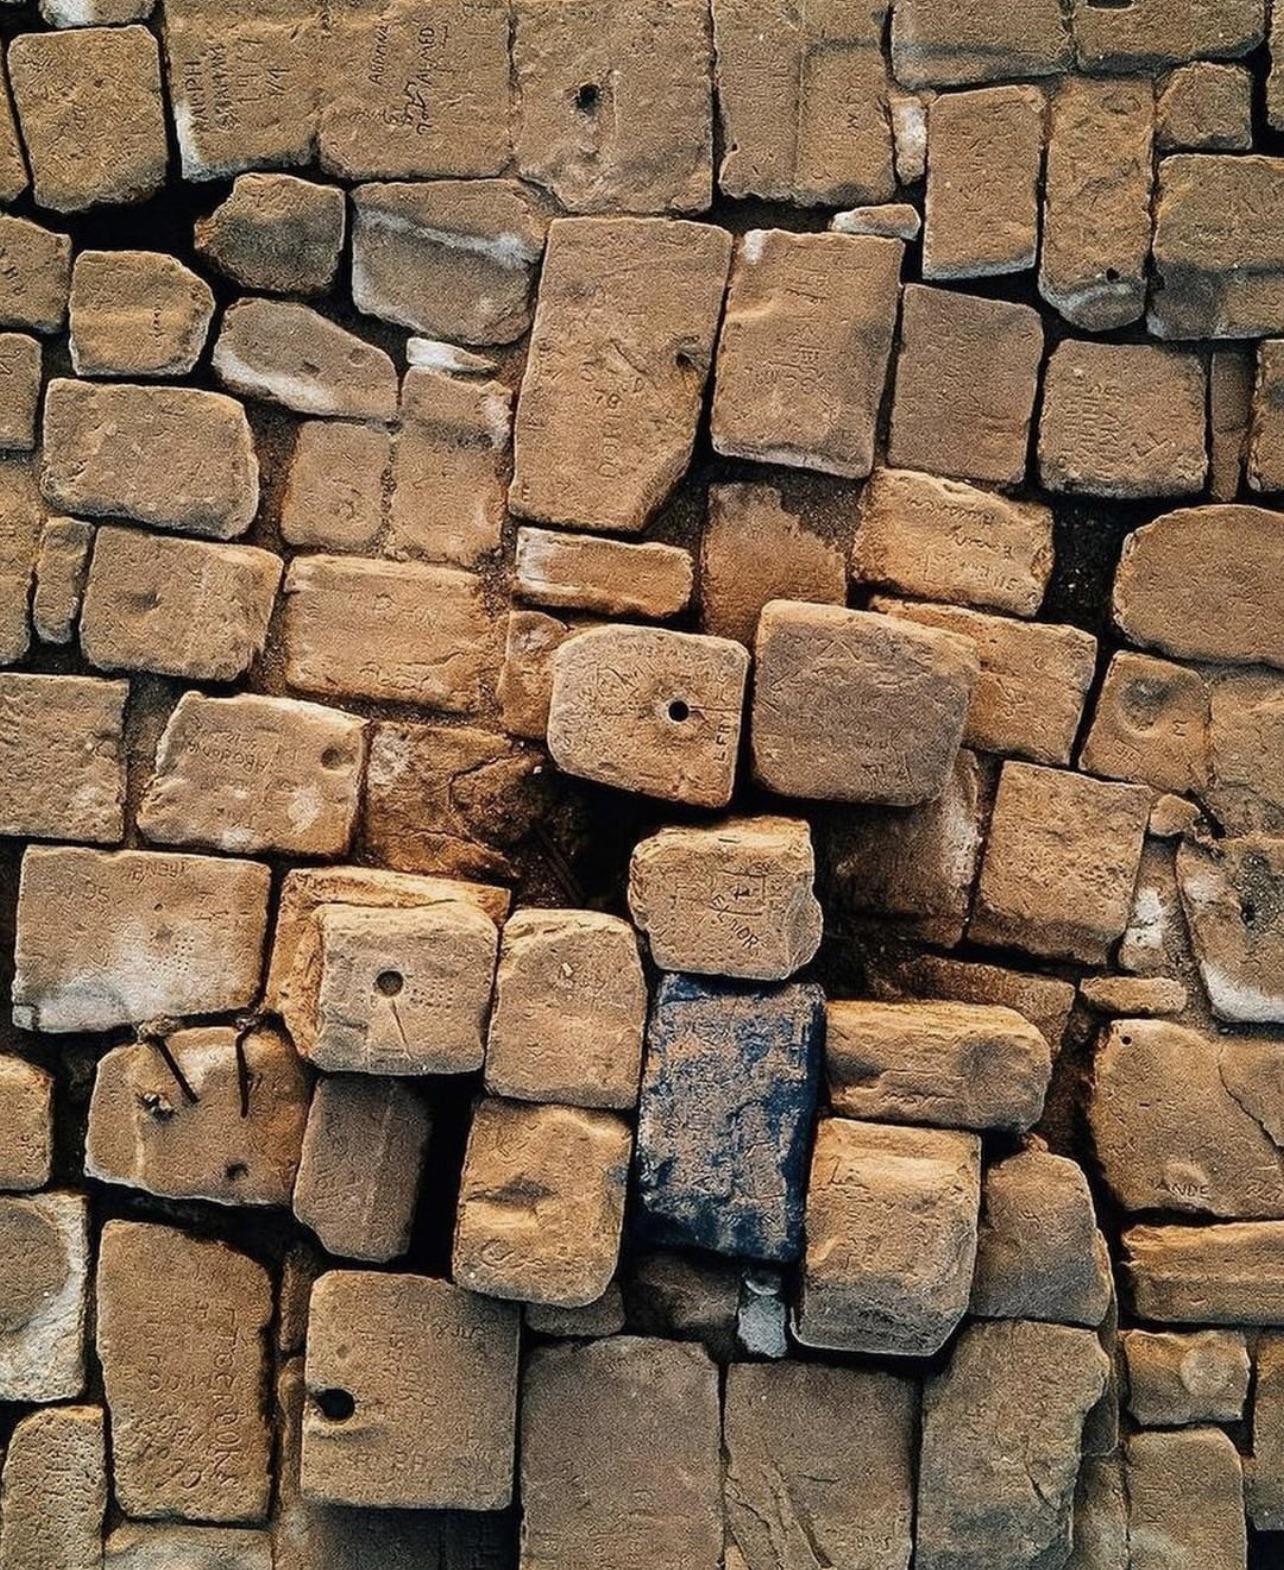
[{"x": 724, "y": 1124}]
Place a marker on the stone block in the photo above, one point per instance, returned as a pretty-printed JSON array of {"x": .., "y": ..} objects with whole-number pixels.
[
  {"x": 62, "y": 763},
  {"x": 336, "y": 486},
  {"x": 14, "y": 178},
  {"x": 1156, "y": 33},
  {"x": 289, "y": 354},
  {"x": 1245, "y": 736},
  {"x": 602, "y": 1317},
  {"x": 1185, "y": 1501},
  {"x": 888, "y": 220},
  {"x": 1231, "y": 892},
  {"x": 1205, "y": 107},
  {"x": 26, "y": 1115},
  {"x": 1177, "y": 1378},
  {"x": 134, "y": 1547},
  {"x": 35, "y": 275},
  {"x": 1100, "y": 1525},
  {"x": 1264, "y": 1469},
  {"x": 1151, "y": 725},
  {"x": 44, "y": 1299},
  {"x": 610, "y": 577},
  {"x": 54, "y": 1493},
  {"x": 684, "y": 1297},
  {"x": 22, "y": 519},
  {"x": 525, "y": 685},
  {"x": 1230, "y": 406},
  {"x": 948, "y": 43},
  {"x": 61, "y": 571},
  {"x": 20, "y": 362},
  {"x": 1230, "y": 1273},
  {"x": 1134, "y": 997},
  {"x": 276, "y": 234},
  {"x": 1265, "y": 452},
  {"x": 137, "y": 313}
]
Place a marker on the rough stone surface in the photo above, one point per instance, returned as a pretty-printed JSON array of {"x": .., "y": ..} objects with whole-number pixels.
[
  {"x": 35, "y": 275},
  {"x": 1163, "y": 33},
  {"x": 276, "y": 234},
  {"x": 20, "y": 363},
  {"x": 1045, "y": 1001},
  {"x": 946, "y": 43},
  {"x": 585, "y": 572},
  {"x": 1230, "y": 408},
  {"x": 1185, "y": 1500},
  {"x": 187, "y": 1548},
  {"x": 14, "y": 178},
  {"x": 22, "y": 520},
  {"x": 1231, "y": 892},
  {"x": 334, "y": 495},
  {"x": 525, "y": 685},
  {"x": 62, "y": 764},
  {"x": 289, "y": 354},
  {"x": 1150, "y": 725},
  {"x": 1134, "y": 997},
  {"x": 603, "y": 1317},
  {"x": 137, "y": 313},
  {"x": 1265, "y": 452},
  {"x": 44, "y": 1299},
  {"x": 54, "y": 1494},
  {"x": 1227, "y": 1274},
  {"x": 888, "y": 220},
  {"x": 26, "y": 1114},
  {"x": 1206, "y": 107},
  {"x": 1177, "y": 1378},
  {"x": 686, "y": 1297},
  {"x": 1245, "y": 712},
  {"x": 1264, "y": 1469}
]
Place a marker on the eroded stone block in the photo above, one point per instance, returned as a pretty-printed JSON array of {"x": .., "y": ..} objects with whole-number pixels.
[
  {"x": 137, "y": 313},
  {"x": 1156, "y": 33},
  {"x": 62, "y": 569},
  {"x": 1232, "y": 892},
  {"x": 1246, "y": 709},
  {"x": 1206, "y": 107},
  {"x": 1185, "y": 1500},
  {"x": 1134, "y": 997},
  {"x": 1227, "y": 1274},
  {"x": 44, "y": 1296},
  {"x": 289, "y": 354},
  {"x": 26, "y": 1115},
  {"x": 276, "y": 234},
  {"x": 62, "y": 764},
  {"x": 336, "y": 486},
  {"x": 20, "y": 360},
  {"x": 1178, "y": 1378},
  {"x": 602, "y": 1317},
  {"x": 586, "y": 572},
  {"x": 1151, "y": 725},
  {"x": 1044, "y": 1000},
  {"x": 54, "y": 1494},
  {"x": 14, "y": 178},
  {"x": 950, "y": 43},
  {"x": 134, "y": 1547},
  {"x": 35, "y": 275},
  {"x": 22, "y": 520},
  {"x": 1264, "y": 1469}
]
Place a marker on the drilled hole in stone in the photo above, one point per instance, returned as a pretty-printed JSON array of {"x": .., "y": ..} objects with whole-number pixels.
[
  {"x": 389, "y": 983},
  {"x": 235, "y": 1171},
  {"x": 587, "y": 97},
  {"x": 335, "y": 1405},
  {"x": 679, "y": 711}
]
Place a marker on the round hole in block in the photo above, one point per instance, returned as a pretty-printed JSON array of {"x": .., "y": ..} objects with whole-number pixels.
[
  {"x": 335, "y": 1405},
  {"x": 235, "y": 1170},
  {"x": 679, "y": 711},
  {"x": 389, "y": 982},
  {"x": 587, "y": 97}
]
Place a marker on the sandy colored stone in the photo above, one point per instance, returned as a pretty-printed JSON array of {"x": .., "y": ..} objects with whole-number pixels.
[
  {"x": 26, "y": 1115},
  {"x": 1246, "y": 732},
  {"x": 62, "y": 569},
  {"x": 1097, "y": 200},
  {"x": 1044, "y": 1000},
  {"x": 570, "y": 1009},
  {"x": 20, "y": 359},
  {"x": 952, "y": 42},
  {"x": 92, "y": 114},
  {"x": 611, "y": 398},
  {"x": 611, "y": 577},
  {"x": 227, "y": 1127},
  {"x": 172, "y": 457},
  {"x": 1205, "y": 107},
  {"x": 684, "y": 1297},
  {"x": 1163, "y": 32},
  {"x": 1034, "y": 678},
  {"x": 431, "y": 1372},
  {"x": 22, "y": 520},
  {"x": 1134, "y": 997},
  {"x": 276, "y": 234},
  {"x": 62, "y": 763},
  {"x": 1061, "y": 863},
  {"x": 110, "y": 938},
  {"x": 394, "y": 631},
  {"x": 889, "y": 220},
  {"x": 137, "y": 313},
  {"x": 1228, "y": 1274},
  {"x": 1178, "y": 1378},
  {"x": 803, "y": 102},
  {"x": 803, "y": 352},
  {"x": 134, "y": 1547},
  {"x": 1173, "y": 817},
  {"x": 253, "y": 774},
  {"x": 289, "y": 354},
  {"x": 35, "y": 275},
  {"x": 984, "y": 161},
  {"x": 852, "y": 706},
  {"x": 14, "y": 178},
  {"x": 952, "y": 1065},
  {"x": 1100, "y": 1526},
  {"x": 336, "y": 486},
  {"x": 361, "y": 1164},
  {"x": 588, "y": 1477},
  {"x": 1156, "y": 941},
  {"x": 603, "y": 1317},
  {"x": 1232, "y": 891},
  {"x": 44, "y": 1295},
  {"x": 1151, "y": 725},
  {"x": 54, "y": 1494},
  {"x": 455, "y": 259},
  {"x": 1265, "y": 454},
  {"x": 965, "y": 385},
  {"x": 525, "y": 685},
  {"x": 938, "y": 539},
  {"x": 651, "y": 711},
  {"x": 907, "y": 112},
  {"x": 1185, "y": 1501},
  {"x": 1230, "y": 409},
  {"x": 541, "y": 1202},
  {"x": 189, "y": 1437},
  {"x": 1008, "y": 1409},
  {"x": 891, "y": 1237},
  {"x": 1264, "y": 1469},
  {"x": 786, "y": 1505}
]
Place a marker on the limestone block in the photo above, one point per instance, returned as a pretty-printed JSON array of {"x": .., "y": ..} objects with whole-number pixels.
[
  {"x": 137, "y": 313},
  {"x": 35, "y": 275},
  {"x": 44, "y": 1295},
  {"x": 1045, "y": 1001},
  {"x": 289, "y": 354},
  {"x": 602, "y": 1317},
  {"x": 586, "y": 572},
  {"x": 1151, "y": 725},
  {"x": 134, "y": 1547},
  {"x": 951, "y": 43},
  {"x": 1162, "y": 32},
  {"x": 1227, "y": 1274},
  {"x": 26, "y": 1115},
  {"x": 336, "y": 485},
  {"x": 684, "y": 1297},
  {"x": 1245, "y": 713},
  {"x": 525, "y": 685},
  {"x": 20, "y": 362},
  {"x": 22, "y": 518},
  {"x": 1230, "y": 892},
  {"x": 1100, "y": 1527},
  {"x": 1134, "y": 997},
  {"x": 1185, "y": 1500},
  {"x": 890, "y": 220},
  {"x": 276, "y": 234},
  {"x": 1176, "y": 1378},
  {"x": 14, "y": 178},
  {"x": 1230, "y": 401},
  {"x": 54, "y": 1494},
  {"x": 62, "y": 763},
  {"x": 1206, "y": 107},
  {"x": 1264, "y": 1469}
]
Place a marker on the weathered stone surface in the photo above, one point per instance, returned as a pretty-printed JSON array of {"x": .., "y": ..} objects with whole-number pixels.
[
  {"x": 570, "y": 1010},
  {"x": 754, "y": 549},
  {"x": 452, "y": 258},
  {"x": 1232, "y": 892},
  {"x": 852, "y": 706},
  {"x": 1061, "y": 863},
  {"x": 172, "y": 457},
  {"x": 361, "y": 1162},
  {"x": 20, "y": 359},
  {"x": 525, "y": 685},
  {"x": 35, "y": 275},
  {"x": 26, "y": 1114},
  {"x": 1185, "y": 1501},
  {"x": 802, "y": 357},
  {"x": 395, "y": 631},
  {"x": 1039, "y": 1254},
  {"x": 1264, "y": 1469},
  {"x": 1206, "y": 107},
  {"x": 22, "y": 519},
  {"x": 44, "y": 1298},
  {"x": 1100, "y": 1516},
  {"x": 434, "y": 354},
  {"x": 1265, "y": 452},
  {"x": 728, "y": 1094},
  {"x": 891, "y": 1237},
  {"x": 1162, "y": 32},
  {"x": 336, "y": 486},
  {"x": 276, "y": 234},
  {"x": 62, "y": 569},
  {"x": 253, "y": 774},
  {"x": 762, "y": 1314},
  {"x": 907, "y": 112},
  {"x": 62, "y": 764},
  {"x": 412, "y": 1394},
  {"x": 114, "y": 938},
  {"x": 1150, "y": 725},
  {"x": 984, "y": 160},
  {"x": 1034, "y": 678},
  {"x": 54, "y": 1494},
  {"x": 1245, "y": 713},
  {"x": 1228, "y": 1274},
  {"x": 1230, "y": 408},
  {"x": 732, "y": 900},
  {"x": 541, "y": 1202},
  {"x": 1134, "y": 997},
  {"x": 951, "y": 43},
  {"x": 14, "y": 178},
  {"x": 1156, "y": 941},
  {"x": 586, "y": 572},
  {"x": 1097, "y": 201},
  {"x": 803, "y": 103},
  {"x": 227, "y": 1126},
  {"x": 939, "y": 539},
  {"x": 1045, "y": 1001},
  {"x": 100, "y": 80},
  {"x": 602, "y": 1317},
  {"x": 137, "y": 313},
  {"x": 176, "y": 607},
  {"x": 289, "y": 354},
  {"x": 189, "y": 1437},
  {"x": 889, "y": 220},
  {"x": 1179, "y": 1378},
  {"x": 1007, "y": 1410},
  {"x": 611, "y": 398},
  {"x": 953, "y": 1065},
  {"x": 136, "y": 1547},
  {"x": 783, "y": 1427},
  {"x": 588, "y": 1478},
  {"x": 92, "y": 13},
  {"x": 965, "y": 385},
  {"x": 685, "y": 1297}
]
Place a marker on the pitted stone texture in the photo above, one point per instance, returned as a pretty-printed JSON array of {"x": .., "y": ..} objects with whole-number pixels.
[
  {"x": 1157, "y": 33},
  {"x": 137, "y": 313},
  {"x": 570, "y": 1010},
  {"x": 1232, "y": 892},
  {"x": 1178, "y": 1378},
  {"x": 289, "y": 354},
  {"x": 1061, "y": 863},
  {"x": 114, "y": 938},
  {"x": 588, "y": 1478},
  {"x": 891, "y": 1237},
  {"x": 276, "y": 233},
  {"x": 888, "y": 220},
  {"x": 541, "y": 1202},
  {"x": 586, "y": 572},
  {"x": 728, "y": 1094},
  {"x": 335, "y": 487},
  {"x": 1230, "y": 409},
  {"x": 1246, "y": 732},
  {"x": 1002, "y": 1429},
  {"x": 1228, "y": 1274},
  {"x": 952, "y": 1065},
  {"x": 35, "y": 275},
  {"x": 1151, "y": 725},
  {"x": 1097, "y": 200},
  {"x": 172, "y": 457},
  {"x": 92, "y": 114},
  {"x": 965, "y": 386},
  {"x": 1045, "y": 1001},
  {"x": 852, "y": 706},
  {"x": 731, "y": 900},
  {"x": 786, "y": 1506},
  {"x": 62, "y": 762},
  {"x": 20, "y": 363},
  {"x": 44, "y": 1296},
  {"x": 22, "y": 521},
  {"x": 14, "y": 178},
  {"x": 228, "y": 1130},
  {"x": 253, "y": 774},
  {"x": 455, "y": 259},
  {"x": 360, "y": 1167},
  {"x": 189, "y": 1436},
  {"x": 802, "y": 358},
  {"x": 1265, "y": 454},
  {"x": 134, "y": 1547},
  {"x": 432, "y": 1374},
  {"x": 1185, "y": 1501},
  {"x": 611, "y": 397},
  {"x": 940, "y": 539},
  {"x": 26, "y": 1115},
  {"x": 1205, "y": 107},
  {"x": 948, "y": 43},
  {"x": 175, "y": 606},
  {"x": 54, "y": 1494}
]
